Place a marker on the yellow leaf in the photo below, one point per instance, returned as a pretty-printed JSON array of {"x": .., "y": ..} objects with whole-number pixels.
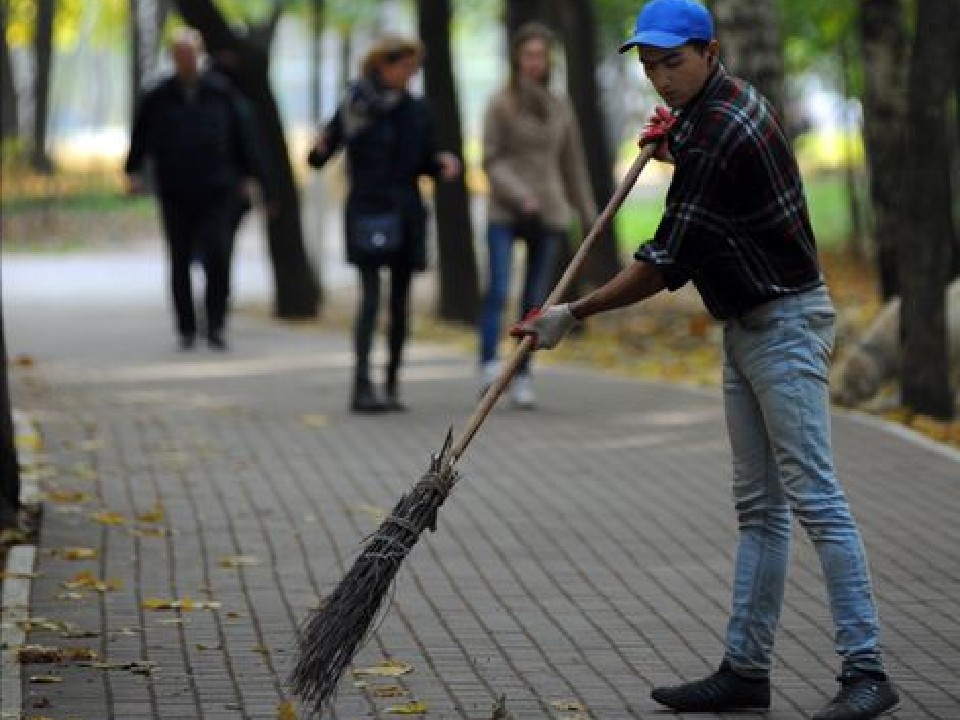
[
  {"x": 286, "y": 711},
  {"x": 414, "y": 707},
  {"x": 5, "y": 575},
  {"x": 378, "y": 514},
  {"x": 68, "y": 496},
  {"x": 153, "y": 516},
  {"x": 385, "y": 668},
  {"x": 235, "y": 561},
  {"x": 107, "y": 517},
  {"x": 76, "y": 553},
  {"x": 315, "y": 420},
  {"x": 387, "y": 691},
  {"x": 86, "y": 580},
  {"x": 183, "y": 604}
]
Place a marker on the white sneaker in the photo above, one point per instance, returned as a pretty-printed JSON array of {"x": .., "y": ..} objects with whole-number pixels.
[
  {"x": 522, "y": 391},
  {"x": 489, "y": 372}
]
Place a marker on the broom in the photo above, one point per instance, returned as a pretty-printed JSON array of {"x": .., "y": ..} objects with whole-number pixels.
[{"x": 332, "y": 634}]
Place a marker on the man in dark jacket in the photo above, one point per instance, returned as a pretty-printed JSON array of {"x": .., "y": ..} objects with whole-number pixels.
[{"x": 192, "y": 128}]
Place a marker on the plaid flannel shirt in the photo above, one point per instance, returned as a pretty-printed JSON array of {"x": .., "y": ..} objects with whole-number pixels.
[{"x": 735, "y": 221}]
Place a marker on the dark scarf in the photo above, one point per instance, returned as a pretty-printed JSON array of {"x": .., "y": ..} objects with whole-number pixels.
[{"x": 365, "y": 100}]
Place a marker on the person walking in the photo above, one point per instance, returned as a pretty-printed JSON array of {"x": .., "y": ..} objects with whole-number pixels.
[
  {"x": 192, "y": 128},
  {"x": 736, "y": 226},
  {"x": 390, "y": 143},
  {"x": 538, "y": 179}
]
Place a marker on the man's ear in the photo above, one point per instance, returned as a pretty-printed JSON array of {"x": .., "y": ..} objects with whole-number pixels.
[{"x": 713, "y": 51}]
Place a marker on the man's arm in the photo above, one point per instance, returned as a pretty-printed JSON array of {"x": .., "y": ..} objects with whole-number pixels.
[{"x": 634, "y": 283}]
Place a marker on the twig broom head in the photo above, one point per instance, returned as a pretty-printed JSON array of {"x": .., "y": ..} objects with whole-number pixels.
[{"x": 332, "y": 634}]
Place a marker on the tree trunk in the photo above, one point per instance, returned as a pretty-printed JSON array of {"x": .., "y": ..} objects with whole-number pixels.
[
  {"x": 298, "y": 291},
  {"x": 146, "y": 29},
  {"x": 459, "y": 288},
  {"x": 9, "y": 466},
  {"x": 924, "y": 258},
  {"x": 579, "y": 31},
  {"x": 316, "y": 46},
  {"x": 883, "y": 40},
  {"x": 751, "y": 46},
  {"x": 9, "y": 117},
  {"x": 518, "y": 12},
  {"x": 43, "y": 52}
]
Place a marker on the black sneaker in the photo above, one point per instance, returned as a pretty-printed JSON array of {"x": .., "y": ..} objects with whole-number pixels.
[
  {"x": 724, "y": 691},
  {"x": 862, "y": 696}
]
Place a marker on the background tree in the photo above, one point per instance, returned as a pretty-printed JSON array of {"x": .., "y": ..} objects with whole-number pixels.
[
  {"x": 146, "y": 18},
  {"x": 925, "y": 255},
  {"x": 459, "y": 291},
  {"x": 298, "y": 292},
  {"x": 578, "y": 28},
  {"x": 43, "y": 55},
  {"x": 751, "y": 44},
  {"x": 9, "y": 466},
  {"x": 884, "y": 46},
  {"x": 9, "y": 117}
]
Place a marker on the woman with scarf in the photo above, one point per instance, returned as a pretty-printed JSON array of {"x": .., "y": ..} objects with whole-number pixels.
[
  {"x": 538, "y": 179},
  {"x": 389, "y": 139}
]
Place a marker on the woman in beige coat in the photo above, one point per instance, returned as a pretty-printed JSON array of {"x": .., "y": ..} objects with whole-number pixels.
[{"x": 538, "y": 179}]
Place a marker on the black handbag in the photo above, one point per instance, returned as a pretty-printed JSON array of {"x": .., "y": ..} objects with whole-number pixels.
[{"x": 377, "y": 237}]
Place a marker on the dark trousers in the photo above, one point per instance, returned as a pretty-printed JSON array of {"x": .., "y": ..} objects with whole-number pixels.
[
  {"x": 199, "y": 229},
  {"x": 366, "y": 319}
]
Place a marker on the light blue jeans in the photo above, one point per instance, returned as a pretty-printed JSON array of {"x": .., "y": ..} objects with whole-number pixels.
[
  {"x": 775, "y": 386},
  {"x": 541, "y": 256}
]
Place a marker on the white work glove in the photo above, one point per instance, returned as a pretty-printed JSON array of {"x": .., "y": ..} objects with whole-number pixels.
[{"x": 548, "y": 327}]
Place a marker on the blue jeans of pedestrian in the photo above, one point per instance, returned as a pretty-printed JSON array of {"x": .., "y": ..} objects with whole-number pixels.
[
  {"x": 542, "y": 250},
  {"x": 775, "y": 386}
]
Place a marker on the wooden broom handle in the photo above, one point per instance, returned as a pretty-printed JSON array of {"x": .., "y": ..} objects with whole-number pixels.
[{"x": 494, "y": 392}]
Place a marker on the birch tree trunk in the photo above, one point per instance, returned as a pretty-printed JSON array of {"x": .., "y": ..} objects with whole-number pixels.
[{"x": 9, "y": 117}]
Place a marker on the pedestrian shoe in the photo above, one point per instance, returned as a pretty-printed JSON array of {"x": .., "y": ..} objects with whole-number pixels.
[
  {"x": 489, "y": 372},
  {"x": 392, "y": 401},
  {"x": 862, "y": 696},
  {"x": 724, "y": 691},
  {"x": 522, "y": 393},
  {"x": 365, "y": 400},
  {"x": 187, "y": 342},
  {"x": 216, "y": 340}
]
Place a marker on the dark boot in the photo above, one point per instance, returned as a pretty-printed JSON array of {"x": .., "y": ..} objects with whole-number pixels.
[
  {"x": 393, "y": 401},
  {"x": 724, "y": 691},
  {"x": 365, "y": 400},
  {"x": 862, "y": 696}
]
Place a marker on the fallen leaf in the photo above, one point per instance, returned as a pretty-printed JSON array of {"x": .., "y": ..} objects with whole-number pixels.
[
  {"x": 183, "y": 604},
  {"x": 23, "y": 361},
  {"x": 235, "y": 561},
  {"x": 85, "y": 472},
  {"x": 46, "y": 679},
  {"x": 76, "y": 553},
  {"x": 569, "y": 705},
  {"x": 72, "y": 595},
  {"x": 156, "y": 515},
  {"x": 315, "y": 420},
  {"x": 286, "y": 711},
  {"x": 36, "y": 654},
  {"x": 68, "y": 496},
  {"x": 414, "y": 707},
  {"x": 86, "y": 580},
  {"x": 385, "y": 668},
  {"x": 149, "y": 532},
  {"x": 388, "y": 691},
  {"x": 108, "y": 517}
]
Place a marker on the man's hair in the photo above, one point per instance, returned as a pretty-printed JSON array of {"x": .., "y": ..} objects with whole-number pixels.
[
  {"x": 699, "y": 45},
  {"x": 388, "y": 49}
]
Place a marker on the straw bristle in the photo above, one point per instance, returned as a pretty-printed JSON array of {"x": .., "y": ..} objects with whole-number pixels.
[{"x": 333, "y": 633}]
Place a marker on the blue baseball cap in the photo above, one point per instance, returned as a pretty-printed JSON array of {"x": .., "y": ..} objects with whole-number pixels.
[{"x": 670, "y": 24}]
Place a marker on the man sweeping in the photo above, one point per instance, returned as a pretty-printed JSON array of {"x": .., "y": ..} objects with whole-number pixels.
[{"x": 736, "y": 226}]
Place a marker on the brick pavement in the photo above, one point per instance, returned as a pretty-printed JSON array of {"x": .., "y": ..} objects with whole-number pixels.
[{"x": 586, "y": 556}]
